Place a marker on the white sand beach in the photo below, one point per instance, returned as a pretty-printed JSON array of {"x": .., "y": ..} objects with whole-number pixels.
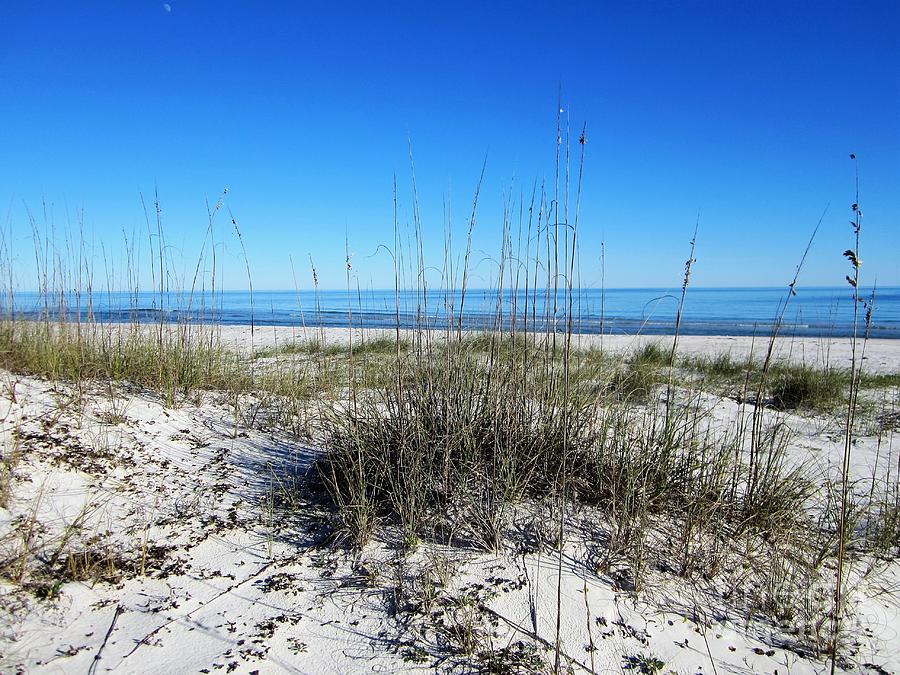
[{"x": 211, "y": 570}]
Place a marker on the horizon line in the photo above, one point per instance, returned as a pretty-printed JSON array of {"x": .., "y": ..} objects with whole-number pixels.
[{"x": 472, "y": 289}]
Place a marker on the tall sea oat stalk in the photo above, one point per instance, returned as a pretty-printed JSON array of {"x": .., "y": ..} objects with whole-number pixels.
[
  {"x": 852, "y": 256},
  {"x": 570, "y": 276},
  {"x": 688, "y": 266}
]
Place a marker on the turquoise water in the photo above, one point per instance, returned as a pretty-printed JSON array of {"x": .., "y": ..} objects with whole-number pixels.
[{"x": 707, "y": 311}]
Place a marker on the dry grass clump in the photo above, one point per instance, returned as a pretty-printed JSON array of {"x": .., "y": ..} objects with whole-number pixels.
[
  {"x": 807, "y": 387},
  {"x": 453, "y": 441},
  {"x": 454, "y": 448},
  {"x": 451, "y": 446}
]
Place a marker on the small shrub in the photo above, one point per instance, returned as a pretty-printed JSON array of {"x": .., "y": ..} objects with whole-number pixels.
[{"x": 646, "y": 664}]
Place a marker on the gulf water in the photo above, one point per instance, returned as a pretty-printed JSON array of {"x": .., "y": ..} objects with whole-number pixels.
[{"x": 813, "y": 312}]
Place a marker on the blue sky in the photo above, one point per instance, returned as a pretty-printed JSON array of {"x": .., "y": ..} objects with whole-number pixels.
[{"x": 745, "y": 111}]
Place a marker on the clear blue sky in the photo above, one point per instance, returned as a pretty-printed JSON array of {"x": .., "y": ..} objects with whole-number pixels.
[{"x": 746, "y": 111}]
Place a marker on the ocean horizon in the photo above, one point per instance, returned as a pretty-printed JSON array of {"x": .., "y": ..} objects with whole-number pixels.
[{"x": 813, "y": 312}]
